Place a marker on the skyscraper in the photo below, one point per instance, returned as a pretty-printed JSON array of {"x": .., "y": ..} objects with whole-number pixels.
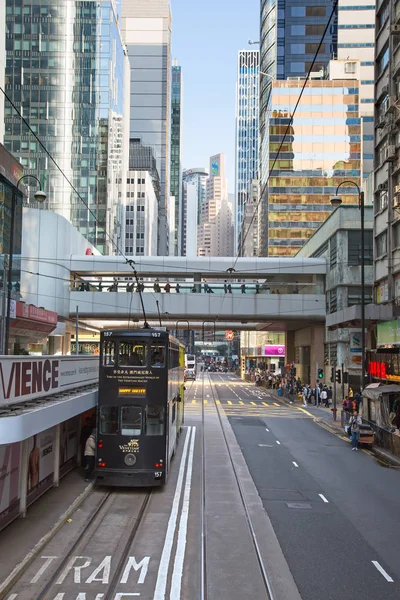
[
  {"x": 215, "y": 232},
  {"x": 176, "y": 156},
  {"x": 67, "y": 78},
  {"x": 246, "y": 165},
  {"x": 146, "y": 31},
  {"x": 290, "y": 33},
  {"x": 194, "y": 193}
]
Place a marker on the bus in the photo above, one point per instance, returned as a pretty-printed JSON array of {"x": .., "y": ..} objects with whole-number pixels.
[
  {"x": 140, "y": 406},
  {"x": 190, "y": 361}
]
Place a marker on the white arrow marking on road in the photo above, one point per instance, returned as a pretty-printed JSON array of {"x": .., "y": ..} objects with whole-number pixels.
[
  {"x": 323, "y": 498},
  {"x": 295, "y": 464},
  {"x": 382, "y": 571}
]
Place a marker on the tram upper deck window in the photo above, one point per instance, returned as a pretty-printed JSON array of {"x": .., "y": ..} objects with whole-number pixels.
[
  {"x": 157, "y": 355},
  {"x": 154, "y": 420},
  {"x": 109, "y": 354},
  {"x": 109, "y": 420},
  {"x": 131, "y": 420},
  {"x": 132, "y": 354}
]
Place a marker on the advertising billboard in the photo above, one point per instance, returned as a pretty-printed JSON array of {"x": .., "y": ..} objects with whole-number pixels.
[
  {"x": 9, "y": 482},
  {"x": 276, "y": 350}
]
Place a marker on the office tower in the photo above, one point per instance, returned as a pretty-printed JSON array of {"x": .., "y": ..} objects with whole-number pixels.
[
  {"x": 289, "y": 36},
  {"x": 322, "y": 148},
  {"x": 2, "y": 65},
  {"x": 356, "y": 46},
  {"x": 142, "y": 202},
  {"x": 215, "y": 232},
  {"x": 175, "y": 244},
  {"x": 251, "y": 222},
  {"x": 387, "y": 159},
  {"x": 194, "y": 193},
  {"x": 146, "y": 31},
  {"x": 246, "y": 159},
  {"x": 66, "y": 77}
]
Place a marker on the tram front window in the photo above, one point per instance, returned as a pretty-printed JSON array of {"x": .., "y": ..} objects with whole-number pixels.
[
  {"x": 132, "y": 355},
  {"x": 157, "y": 355},
  {"x": 154, "y": 420},
  {"x": 131, "y": 420},
  {"x": 109, "y": 420}
]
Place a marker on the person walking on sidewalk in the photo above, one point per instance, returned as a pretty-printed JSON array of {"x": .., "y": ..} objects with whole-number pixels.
[
  {"x": 90, "y": 451},
  {"x": 354, "y": 424},
  {"x": 324, "y": 398}
]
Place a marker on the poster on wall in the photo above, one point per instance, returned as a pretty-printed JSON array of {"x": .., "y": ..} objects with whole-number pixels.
[
  {"x": 40, "y": 463},
  {"x": 9, "y": 482}
]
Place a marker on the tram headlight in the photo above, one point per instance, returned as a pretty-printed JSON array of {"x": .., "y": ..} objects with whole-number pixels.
[{"x": 130, "y": 460}]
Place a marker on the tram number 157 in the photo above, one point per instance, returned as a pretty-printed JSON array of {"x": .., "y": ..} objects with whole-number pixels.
[
  {"x": 157, "y": 474},
  {"x": 156, "y": 335}
]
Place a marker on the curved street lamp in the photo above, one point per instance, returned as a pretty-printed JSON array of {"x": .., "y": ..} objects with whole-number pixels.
[
  {"x": 40, "y": 196},
  {"x": 336, "y": 201}
]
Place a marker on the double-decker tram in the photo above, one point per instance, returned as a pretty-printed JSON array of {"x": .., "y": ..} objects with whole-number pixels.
[{"x": 140, "y": 406}]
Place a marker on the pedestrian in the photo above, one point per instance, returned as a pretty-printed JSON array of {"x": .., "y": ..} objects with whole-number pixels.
[
  {"x": 317, "y": 393},
  {"x": 167, "y": 287},
  {"x": 304, "y": 394},
  {"x": 142, "y": 287},
  {"x": 225, "y": 287},
  {"x": 257, "y": 288},
  {"x": 229, "y": 288},
  {"x": 100, "y": 287},
  {"x": 351, "y": 393},
  {"x": 206, "y": 288},
  {"x": 330, "y": 394},
  {"x": 354, "y": 424},
  {"x": 90, "y": 451},
  {"x": 178, "y": 288},
  {"x": 156, "y": 287},
  {"x": 324, "y": 398},
  {"x": 243, "y": 288}
]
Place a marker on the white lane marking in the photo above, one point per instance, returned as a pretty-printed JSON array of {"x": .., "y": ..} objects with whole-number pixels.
[
  {"x": 382, "y": 571},
  {"x": 48, "y": 561},
  {"x": 12, "y": 597},
  {"x": 162, "y": 575},
  {"x": 265, "y": 446},
  {"x": 177, "y": 573},
  {"x": 295, "y": 464},
  {"x": 323, "y": 498},
  {"x": 278, "y": 442},
  {"x": 267, "y": 430}
]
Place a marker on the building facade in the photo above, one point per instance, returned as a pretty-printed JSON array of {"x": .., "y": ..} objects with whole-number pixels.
[
  {"x": 322, "y": 148},
  {"x": 251, "y": 223},
  {"x": 339, "y": 241},
  {"x": 176, "y": 157},
  {"x": 65, "y": 73},
  {"x": 290, "y": 33},
  {"x": 246, "y": 151},
  {"x": 146, "y": 31},
  {"x": 194, "y": 194},
  {"x": 215, "y": 232},
  {"x": 142, "y": 202}
]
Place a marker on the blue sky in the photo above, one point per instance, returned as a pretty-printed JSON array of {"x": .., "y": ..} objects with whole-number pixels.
[{"x": 206, "y": 37}]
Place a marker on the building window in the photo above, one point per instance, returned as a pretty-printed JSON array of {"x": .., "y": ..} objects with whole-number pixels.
[
  {"x": 333, "y": 252},
  {"x": 382, "y": 61},
  {"x": 332, "y": 301},
  {"x": 354, "y": 248},
  {"x": 350, "y": 67},
  {"x": 381, "y": 244},
  {"x": 381, "y": 200},
  {"x": 396, "y": 235},
  {"x": 315, "y": 11},
  {"x": 354, "y": 296}
]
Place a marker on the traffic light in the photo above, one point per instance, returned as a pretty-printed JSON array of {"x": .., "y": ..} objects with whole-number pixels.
[
  {"x": 345, "y": 377},
  {"x": 338, "y": 376},
  {"x": 320, "y": 373},
  {"x": 332, "y": 374}
]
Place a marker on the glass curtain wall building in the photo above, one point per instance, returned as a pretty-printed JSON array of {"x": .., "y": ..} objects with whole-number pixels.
[
  {"x": 176, "y": 154},
  {"x": 246, "y": 167},
  {"x": 290, "y": 31},
  {"x": 194, "y": 194},
  {"x": 322, "y": 149},
  {"x": 64, "y": 71}
]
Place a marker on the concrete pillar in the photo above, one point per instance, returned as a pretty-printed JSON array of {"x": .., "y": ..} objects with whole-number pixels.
[
  {"x": 319, "y": 284},
  {"x": 197, "y": 283},
  {"x": 24, "y": 478},
  {"x": 317, "y": 352},
  {"x": 56, "y": 461},
  {"x": 67, "y": 344},
  {"x": 289, "y": 347},
  {"x": 79, "y": 455},
  {"x": 55, "y": 344}
]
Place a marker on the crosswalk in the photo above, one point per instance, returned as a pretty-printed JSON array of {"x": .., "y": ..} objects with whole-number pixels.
[{"x": 240, "y": 408}]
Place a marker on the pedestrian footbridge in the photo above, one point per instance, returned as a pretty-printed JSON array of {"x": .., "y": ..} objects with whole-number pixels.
[{"x": 281, "y": 292}]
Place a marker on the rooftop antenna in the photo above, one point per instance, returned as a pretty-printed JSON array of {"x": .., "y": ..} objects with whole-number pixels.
[{"x": 131, "y": 263}]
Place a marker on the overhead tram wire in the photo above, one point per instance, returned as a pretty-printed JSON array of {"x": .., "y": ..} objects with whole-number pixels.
[
  {"x": 288, "y": 126},
  {"x": 113, "y": 243}
]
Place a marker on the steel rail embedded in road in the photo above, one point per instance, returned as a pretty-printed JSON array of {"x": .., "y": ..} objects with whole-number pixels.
[
  {"x": 253, "y": 536},
  {"x": 203, "y": 582}
]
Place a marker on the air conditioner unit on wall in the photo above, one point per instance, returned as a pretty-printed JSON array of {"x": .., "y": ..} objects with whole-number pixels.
[{"x": 389, "y": 153}]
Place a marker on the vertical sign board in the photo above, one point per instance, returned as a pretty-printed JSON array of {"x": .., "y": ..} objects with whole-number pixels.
[{"x": 9, "y": 482}]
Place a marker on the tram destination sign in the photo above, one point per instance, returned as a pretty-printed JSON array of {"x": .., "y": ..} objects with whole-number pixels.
[{"x": 25, "y": 378}]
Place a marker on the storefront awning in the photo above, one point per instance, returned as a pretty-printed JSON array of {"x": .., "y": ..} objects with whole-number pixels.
[{"x": 29, "y": 318}]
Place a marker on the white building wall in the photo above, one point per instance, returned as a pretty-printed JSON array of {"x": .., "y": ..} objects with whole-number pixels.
[
  {"x": 141, "y": 222},
  {"x": 48, "y": 241},
  {"x": 191, "y": 218}
]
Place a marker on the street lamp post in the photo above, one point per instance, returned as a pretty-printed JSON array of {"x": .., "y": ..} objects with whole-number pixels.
[
  {"x": 40, "y": 196},
  {"x": 337, "y": 201}
]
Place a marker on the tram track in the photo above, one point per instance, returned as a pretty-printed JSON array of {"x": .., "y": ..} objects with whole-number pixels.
[
  {"x": 264, "y": 575},
  {"x": 93, "y": 524}
]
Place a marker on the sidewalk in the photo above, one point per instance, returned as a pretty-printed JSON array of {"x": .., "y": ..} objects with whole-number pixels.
[{"x": 23, "y": 539}]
